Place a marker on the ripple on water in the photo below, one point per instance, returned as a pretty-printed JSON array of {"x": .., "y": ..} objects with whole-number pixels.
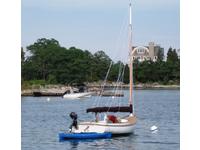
[{"x": 42, "y": 120}]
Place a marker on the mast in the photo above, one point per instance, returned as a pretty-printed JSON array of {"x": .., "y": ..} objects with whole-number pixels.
[{"x": 131, "y": 59}]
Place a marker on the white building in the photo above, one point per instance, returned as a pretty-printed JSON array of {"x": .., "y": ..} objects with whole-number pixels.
[{"x": 150, "y": 52}]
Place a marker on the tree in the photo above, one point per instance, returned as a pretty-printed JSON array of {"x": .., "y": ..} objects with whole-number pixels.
[
  {"x": 116, "y": 70},
  {"x": 173, "y": 66},
  {"x": 101, "y": 63},
  {"x": 22, "y": 55},
  {"x": 53, "y": 64},
  {"x": 160, "y": 55},
  {"x": 126, "y": 74},
  {"x": 172, "y": 56},
  {"x": 42, "y": 51}
]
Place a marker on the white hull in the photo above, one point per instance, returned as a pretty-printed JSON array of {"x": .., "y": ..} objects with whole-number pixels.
[
  {"x": 77, "y": 95},
  {"x": 124, "y": 127}
]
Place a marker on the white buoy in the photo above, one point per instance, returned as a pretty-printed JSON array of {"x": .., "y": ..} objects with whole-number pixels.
[
  {"x": 113, "y": 97},
  {"x": 153, "y": 128},
  {"x": 48, "y": 99}
]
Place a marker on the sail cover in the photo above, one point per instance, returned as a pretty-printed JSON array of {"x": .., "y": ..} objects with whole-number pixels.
[{"x": 111, "y": 109}]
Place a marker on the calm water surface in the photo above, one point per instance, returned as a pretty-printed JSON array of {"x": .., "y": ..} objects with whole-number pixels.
[{"x": 42, "y": 120}]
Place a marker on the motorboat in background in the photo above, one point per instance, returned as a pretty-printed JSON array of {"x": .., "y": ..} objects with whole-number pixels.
[{"x": 77, "y": 93}]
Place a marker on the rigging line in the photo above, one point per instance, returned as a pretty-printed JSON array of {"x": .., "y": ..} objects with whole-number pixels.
[
  {"x": 122, "y": 81},
  {"x": 104, "y": 83},
  {"x": 118, "y": 86},
  {"x": 96, "y": 101},
  {"x": 121, "y": 77},
  {"x": 134, "y": 89},
  {"x": 123, "y": 27},
  {"x": 118, "y": 78},
  {"x": 124, "y": 46},
  {"x": 119, "y": 37},
  {"x": 110, "y": 98},
  {"x": 114, "y": 91},
  {"x": 122, "y": 42}
]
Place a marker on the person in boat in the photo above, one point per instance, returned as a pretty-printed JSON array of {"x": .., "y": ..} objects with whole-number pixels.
[
  {"x": 74, "y": 124},
  {"x": 112, "y": 119},
  {"x": 81, "y": 89}
]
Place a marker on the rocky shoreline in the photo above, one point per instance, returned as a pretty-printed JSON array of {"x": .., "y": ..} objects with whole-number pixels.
[{"x": 59, "y": 90}]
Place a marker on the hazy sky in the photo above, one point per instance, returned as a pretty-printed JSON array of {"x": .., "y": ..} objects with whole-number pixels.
[{"x": 101, "y": 24}]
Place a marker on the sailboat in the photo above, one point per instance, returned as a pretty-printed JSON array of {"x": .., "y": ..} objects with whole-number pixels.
[{"x": 110, "y": 123}]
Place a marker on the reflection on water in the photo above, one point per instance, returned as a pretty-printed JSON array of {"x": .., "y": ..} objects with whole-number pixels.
[
  {"x": 74, "y": 144},
  {"x": 42, "y": 120}
]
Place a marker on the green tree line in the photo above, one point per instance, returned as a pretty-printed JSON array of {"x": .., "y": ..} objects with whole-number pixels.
[{"x": 50, "y": 63}]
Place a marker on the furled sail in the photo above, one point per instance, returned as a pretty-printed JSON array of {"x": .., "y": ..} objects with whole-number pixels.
[{"x": 111, "y": 109}]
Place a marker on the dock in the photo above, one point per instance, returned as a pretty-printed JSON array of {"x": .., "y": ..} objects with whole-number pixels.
[{"x": 109, "y": 93}]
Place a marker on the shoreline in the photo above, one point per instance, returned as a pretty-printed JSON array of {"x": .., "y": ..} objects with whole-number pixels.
[{"x": 59, "y": 90}]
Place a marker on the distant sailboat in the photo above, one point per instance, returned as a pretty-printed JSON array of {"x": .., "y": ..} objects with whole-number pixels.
[{"x": 111, "y": 123}]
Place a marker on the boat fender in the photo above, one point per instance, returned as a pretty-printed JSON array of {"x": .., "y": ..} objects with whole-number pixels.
[{"x": 153, "y": 128}]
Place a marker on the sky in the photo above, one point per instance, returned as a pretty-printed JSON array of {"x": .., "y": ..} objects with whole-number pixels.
[{"x": 101, "y": 24}]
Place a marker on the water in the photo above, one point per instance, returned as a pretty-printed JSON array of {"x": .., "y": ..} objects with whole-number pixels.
[{"x": 43, "y": 119}]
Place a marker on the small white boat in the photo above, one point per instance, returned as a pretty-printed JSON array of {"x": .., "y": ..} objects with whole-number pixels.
[
  {"x": 77, "y": 95},
  {"x": 71, "y": 94}
]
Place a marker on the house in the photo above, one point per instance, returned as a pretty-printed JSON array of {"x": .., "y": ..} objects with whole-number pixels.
[{"x": 150, "y": 52}]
